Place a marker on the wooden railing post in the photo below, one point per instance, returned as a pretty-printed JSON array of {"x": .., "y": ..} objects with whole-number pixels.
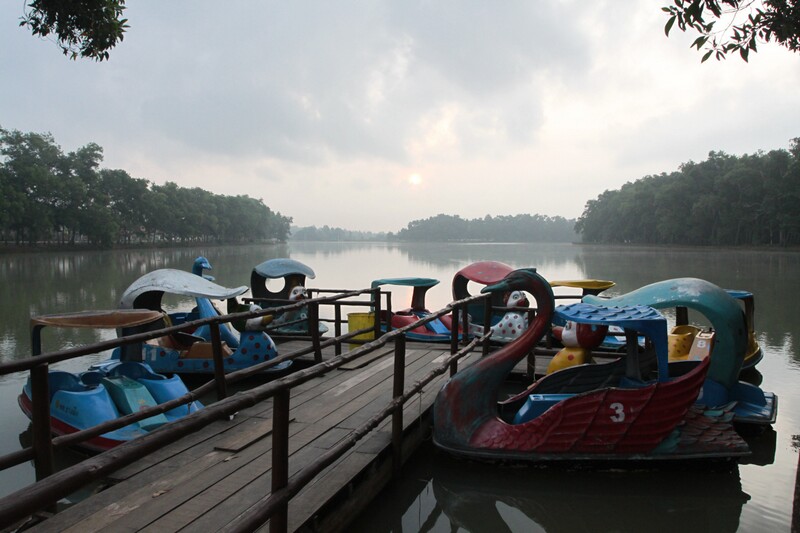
[
  {"x": 219, "y": 363},
  {"x": 40, "y": 418},
  {"x": 279, "y": 522},
  {"x": 376, "y": 299},
  {"x": 487, "y": 323},
  {"x": 313, "y": 324},
  {"x": 454, "y": 330},
  {"x": 464, "y": 325},
  {"x": 397, "y": 392},
  {"x": 337, "y": 326}
]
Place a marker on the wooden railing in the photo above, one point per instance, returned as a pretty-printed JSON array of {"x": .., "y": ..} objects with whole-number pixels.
[{"x": 50, "y": 487}]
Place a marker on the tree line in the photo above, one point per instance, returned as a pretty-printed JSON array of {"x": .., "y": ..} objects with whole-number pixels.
[
  {"x": 47, "y": 196},
  {"x": 725, "y": 200},
  {"x": 516, "y": 228},
  {"x": 328, "y": 234}
]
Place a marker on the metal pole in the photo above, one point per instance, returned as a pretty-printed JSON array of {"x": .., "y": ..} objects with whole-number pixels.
[
  {"x": 279, "y": 522},
  {"x": 219, "y": 364},
  {"x": 397, "y": 392}
]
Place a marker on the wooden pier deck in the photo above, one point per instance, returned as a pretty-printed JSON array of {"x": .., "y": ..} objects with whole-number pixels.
[{"x": 205, "y": 480}]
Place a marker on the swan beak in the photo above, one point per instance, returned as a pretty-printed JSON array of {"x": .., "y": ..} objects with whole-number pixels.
[{"x": 266, "y": 320}]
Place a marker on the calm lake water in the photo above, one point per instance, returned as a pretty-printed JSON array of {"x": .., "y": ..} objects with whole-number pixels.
[{"x": 438, "y": 493}]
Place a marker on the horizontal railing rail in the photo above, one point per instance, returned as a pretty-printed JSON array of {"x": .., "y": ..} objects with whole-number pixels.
[{"x": 46, "y": 492}]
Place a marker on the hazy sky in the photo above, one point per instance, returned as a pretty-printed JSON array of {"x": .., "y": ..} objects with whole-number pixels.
[{"x": 367, "y": 115}]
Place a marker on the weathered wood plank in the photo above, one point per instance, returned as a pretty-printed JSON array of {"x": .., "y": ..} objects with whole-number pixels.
[{"x": 203, "y": 481}]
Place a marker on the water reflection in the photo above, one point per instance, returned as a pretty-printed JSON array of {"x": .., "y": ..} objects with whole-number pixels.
[
  {"x": 452, "y": 495},
  {"x": 517, "y": 499}
]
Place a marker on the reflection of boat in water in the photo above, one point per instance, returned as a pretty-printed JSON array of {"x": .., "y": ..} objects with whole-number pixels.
[
  {"x": 105, "y": 393},
  {"x": 293, "y": 275},
  {"x": 188, "y": 353},
  {"x": 485, "y": 498},
  {"x": 629, "y": 417}
]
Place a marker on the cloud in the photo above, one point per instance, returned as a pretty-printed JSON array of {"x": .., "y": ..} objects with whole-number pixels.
[{"x": 325, "y": 108}]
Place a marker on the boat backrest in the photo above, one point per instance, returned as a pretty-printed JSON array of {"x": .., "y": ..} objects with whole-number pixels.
[
  {"x": 134, "y": 371},
  {"x": 92, "y": 378},
  {"x": 66, "y": 381}
]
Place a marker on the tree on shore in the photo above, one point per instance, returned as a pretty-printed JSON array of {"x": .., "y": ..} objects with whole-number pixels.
[
  {"x": 723, "y": 201},
  {"x": 48, "y": 196}
]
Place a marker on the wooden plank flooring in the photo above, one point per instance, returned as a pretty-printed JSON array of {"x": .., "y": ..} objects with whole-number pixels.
[{"x": 210, "y": 477}]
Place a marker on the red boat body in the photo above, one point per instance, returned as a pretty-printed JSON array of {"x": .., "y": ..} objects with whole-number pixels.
[{"x": 637, "y": 420}]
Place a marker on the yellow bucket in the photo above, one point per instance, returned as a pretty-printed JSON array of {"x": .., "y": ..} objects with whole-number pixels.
[{"x": 357, "y": 321}]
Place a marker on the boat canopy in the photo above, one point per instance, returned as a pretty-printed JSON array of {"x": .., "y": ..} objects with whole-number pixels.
[
  {"x": 282, "y": 267},
  {"x": 293, "y": 272},
  {"x": 483, "y": 272},
  {"x": 640, "y": 318},
  {"x": 589, "y": 286},
  {"x": 119, "y": 318},
  {"x": 421, "y": 286},
  {"x": 147, "y": 291}
]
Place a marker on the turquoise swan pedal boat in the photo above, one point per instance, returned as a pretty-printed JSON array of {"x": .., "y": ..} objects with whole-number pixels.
[
  {"x": 437, "y": 330},
  {"x": 83, "y": 400},
  {"x": 634, "y": 418},
  {"x": 731, "y": 342}
]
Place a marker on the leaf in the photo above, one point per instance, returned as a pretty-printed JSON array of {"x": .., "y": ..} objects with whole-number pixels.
[
  {"x": 668, "y": 27},
  {"x": 706, "y": 56}
]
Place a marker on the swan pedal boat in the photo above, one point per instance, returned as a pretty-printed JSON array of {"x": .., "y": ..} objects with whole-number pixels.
[
  {"x": 635, "y": 418},
  {"x": 294, "y": 274},
  {"x": 191, "y": 352},
  {"x": 733, "y": 340},
  {"x": 97, "y": 395},
  {"x": 437, "y": 330}
]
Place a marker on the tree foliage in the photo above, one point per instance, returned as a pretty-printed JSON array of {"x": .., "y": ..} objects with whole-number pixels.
[
  {"x": 328, "y": 234},
  {"x": 517, "y": 228},
  {"x": 85, "y": 28},
  {"x": 725, "y": 200},
  {"x": 47, "y": 196},
  {"x": 743, "y": 24}
]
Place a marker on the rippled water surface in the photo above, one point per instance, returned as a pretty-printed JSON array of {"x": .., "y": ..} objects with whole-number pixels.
[{"x": 439, "y": 493}]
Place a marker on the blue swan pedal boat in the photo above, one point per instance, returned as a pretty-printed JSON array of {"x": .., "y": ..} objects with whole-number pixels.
[
  {"x": 191, "y": 352},
  {"x": 634, "y": 418},
  {"x": 84, "y": 400}
]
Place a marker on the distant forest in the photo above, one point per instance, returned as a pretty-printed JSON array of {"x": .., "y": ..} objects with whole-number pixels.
[
  {"x": 48, "y": 197},
  {"x": 725, "y": 200},
  {"x": 325, "y": 233},
  {"x": 517, "y": 228}
]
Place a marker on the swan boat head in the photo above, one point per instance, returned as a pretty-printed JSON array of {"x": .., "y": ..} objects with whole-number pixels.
[{"x": 469, "y": 399}]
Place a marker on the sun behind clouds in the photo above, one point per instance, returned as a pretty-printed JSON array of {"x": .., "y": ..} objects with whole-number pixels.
[{"x": 415, "y": 179}]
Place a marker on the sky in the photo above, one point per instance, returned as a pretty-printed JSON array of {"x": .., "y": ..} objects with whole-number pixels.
[{"x": 368, "y": 115}]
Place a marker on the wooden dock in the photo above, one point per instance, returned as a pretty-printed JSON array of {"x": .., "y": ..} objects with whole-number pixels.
[{"x": 209, "y": 478}]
